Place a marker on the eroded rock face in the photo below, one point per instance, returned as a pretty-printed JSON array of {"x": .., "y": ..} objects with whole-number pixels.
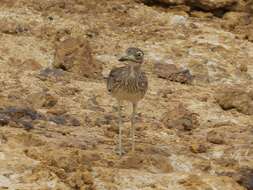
[
  {"x": 42, "y": 99},
  {"x": 168, "y": 2},
  {"x": 179, "y": 117},
  {"x": 173, "y": 73},
  {"x": 237, "y": 18},
  {"x": 74, "y": 55},
  {"x": 245, "y": 178},
  {"x": 212, "y": 4},
  {"x": 215, "y": 137},
  {"x": 235, "y": 97}
]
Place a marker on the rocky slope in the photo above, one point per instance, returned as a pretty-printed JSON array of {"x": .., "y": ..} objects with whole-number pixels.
[{"x": 58, "y": 124}]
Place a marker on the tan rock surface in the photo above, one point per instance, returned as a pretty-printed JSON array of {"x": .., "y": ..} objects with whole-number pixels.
[
  {"x": 58, "y": 129},
  {"x": 74, "y": 55},
  {"x": 213, "y": 4}
]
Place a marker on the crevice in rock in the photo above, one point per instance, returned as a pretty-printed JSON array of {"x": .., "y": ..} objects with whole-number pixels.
[
  {"x": 63, "y": 67},
  {"x": 158, "y": 4},
  {"x": 219, "y": 12}
]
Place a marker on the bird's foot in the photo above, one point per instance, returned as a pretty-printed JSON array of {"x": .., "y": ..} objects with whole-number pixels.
[{"x": 120, "y": 151}]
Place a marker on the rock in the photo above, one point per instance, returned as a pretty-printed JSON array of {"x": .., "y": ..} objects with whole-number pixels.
[
  {"x": 201, "y": 14},
  {"x": 245, "y": 178},
  {"x": 50, "y": 5},
  {"x": 210, "y": 5},
  {"x": 26, "y": 124},
  {"x": 42, "y": 100},
  {"x": 198, "y": 148},
  {"x": 19, "y": 117},
  {"x": 57, "y": 110},
  {"x": 172, "y": 2},
  {"x": 74, "y": 122},
  {"x": 4, "y": 120},
  {"x": 180, "y": 10},
  {"x": 173, "y": 73},
  {"x": 107, "y": 119},
  {"x": 235, "y": 97},
  {"x": 29, "y": 64},
  {"x": 147, "y": 161},
  {"x": 166, "y": 2},
  {"x": 53, "y": 74},
  {"x": 74, "y": 55},
  {"x": 215, "y": 6},
  {"x": 79, "y": 179},
  {"x": 193, "y": 182},
  {"x": 199, "y": 70},
  {"x": 181, "y": 118},
  {"x": 236, "y": 18},
  {"x": 12, "y": 27},
  {"x": 16, "y": 113},
  {"x": 215, "y": 137},
  {"x": 64, "y": 120},
  {"x": 58, "y": 119},
  {"x": 243, "y": 6},
  {"x": 243, "y": 67},
  {"x": 178, "y": 20}
]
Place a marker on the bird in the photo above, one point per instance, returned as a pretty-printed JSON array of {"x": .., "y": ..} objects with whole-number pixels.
[{"x": 128, "y": 83}]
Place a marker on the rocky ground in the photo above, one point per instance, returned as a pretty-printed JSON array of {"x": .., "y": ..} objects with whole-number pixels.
[{"x": 58, "y": 124}]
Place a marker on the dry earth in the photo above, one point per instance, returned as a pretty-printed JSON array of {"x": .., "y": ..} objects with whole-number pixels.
[{"x": 58, "y": 124}]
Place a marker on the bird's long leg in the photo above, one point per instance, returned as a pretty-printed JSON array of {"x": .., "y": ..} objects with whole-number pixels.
[
  {"x": 132, "y": 126},
  {"x": 120, "y": 128}
]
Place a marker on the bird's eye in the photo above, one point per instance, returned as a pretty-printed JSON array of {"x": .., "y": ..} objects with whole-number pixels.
[{"x": 138, "y": 54}]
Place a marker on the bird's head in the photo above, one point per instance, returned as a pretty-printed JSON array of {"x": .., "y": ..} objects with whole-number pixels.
[{"x": 133, "y": 55}]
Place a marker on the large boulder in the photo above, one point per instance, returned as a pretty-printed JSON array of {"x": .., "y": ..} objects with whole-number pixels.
[
  {"x": 179, "y": 117},
  {"x": 74, "y": 55},
  {"x": 173, "y": 73},
  {"x": 212, "y": 4},
  {"x": 168, "y": 2},
  {"x": 235, "y": 97},
  {"x": 208, "y": 5}
]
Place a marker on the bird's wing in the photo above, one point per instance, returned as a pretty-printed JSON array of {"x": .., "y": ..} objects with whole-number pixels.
[
  {"x": 143, "y": 82},
  {"x": 115, "y": 77}
]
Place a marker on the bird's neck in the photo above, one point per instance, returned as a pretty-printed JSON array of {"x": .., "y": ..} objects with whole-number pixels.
[{"x": 133, "y": 69}]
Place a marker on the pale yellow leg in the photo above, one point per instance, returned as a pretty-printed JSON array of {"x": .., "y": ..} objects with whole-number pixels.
[
  {"x": 132, "y": 126},
  {"x": 120, "y": 129}
]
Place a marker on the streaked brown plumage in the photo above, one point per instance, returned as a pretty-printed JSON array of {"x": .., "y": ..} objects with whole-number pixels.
[{"x": 128, "y": 83}]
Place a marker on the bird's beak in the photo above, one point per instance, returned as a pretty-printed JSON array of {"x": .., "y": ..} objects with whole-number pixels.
[{"x": 126, "y": 58}]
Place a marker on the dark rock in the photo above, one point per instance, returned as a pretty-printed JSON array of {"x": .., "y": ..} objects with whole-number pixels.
[
  {"x": 18, "y": 113},
  {"x": 58, "y": 119},
  {"x": 163, "y": 3},
  {"x": 215, "y": 137},
  {"x": 19, "y": 117},
  {"x": 244, "y": 177},
  {"x": 26, "y": 124},
  {"x": 173, "y": 73},
  {"x": 74, "y": 122},
  {"x": 211, "y": 5},
  {"x": 65, "y": 120},
  {"x": 4, "y": 120},
  {"x": 48, "y": 73},
  {"x": 198, "y": 148}
]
